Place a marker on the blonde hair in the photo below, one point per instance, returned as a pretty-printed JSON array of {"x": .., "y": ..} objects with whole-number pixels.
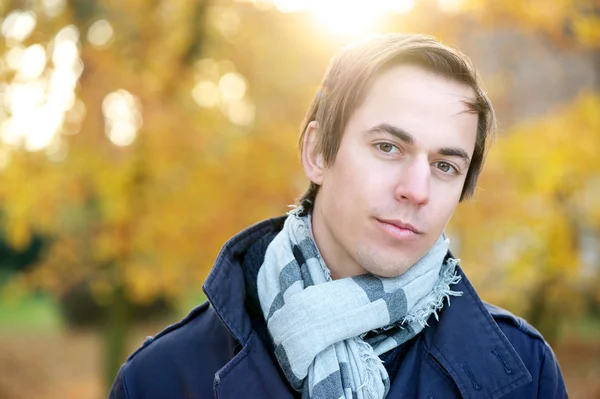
[{"x": 352, "y": 70}]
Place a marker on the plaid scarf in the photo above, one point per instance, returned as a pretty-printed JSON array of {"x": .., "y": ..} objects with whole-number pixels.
[{"x": 328, "y": 333}]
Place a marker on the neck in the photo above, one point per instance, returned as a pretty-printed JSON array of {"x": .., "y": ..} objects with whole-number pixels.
[{"x": 340, "y": 263}]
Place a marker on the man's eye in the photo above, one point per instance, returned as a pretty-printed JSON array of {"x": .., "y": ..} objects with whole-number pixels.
[
  {"x": 446, "y": 167},
  {"x": 387, "y": 147}
]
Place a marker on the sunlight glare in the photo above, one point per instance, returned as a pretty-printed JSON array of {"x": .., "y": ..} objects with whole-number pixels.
[
  {"x": 63, "y": 99},
  {"x": 23, "y": 98},
  {"x": 34, "y": 122},
  {"x": 401, "y": 6},
  {"x": 62, "y": 80},
  {"x": 355, "y": 16},
  {"x": 288, "y": 6},
  {"x": 451, "y": 5},
  {"x": 36, "y": 102},
  {"x": 345, "y": 16},
  {"x": 43, "y": 127}
]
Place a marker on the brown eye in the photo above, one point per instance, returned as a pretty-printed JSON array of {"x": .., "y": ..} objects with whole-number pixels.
[{"x": 386, "y": 147}]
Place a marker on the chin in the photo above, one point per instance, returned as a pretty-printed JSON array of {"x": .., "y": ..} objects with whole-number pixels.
[{"x": 386, "y": 267}]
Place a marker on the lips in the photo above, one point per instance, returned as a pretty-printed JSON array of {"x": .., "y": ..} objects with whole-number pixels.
[
  {"x": 401, "y": 225},
  {"x": 399, "y": 231}
]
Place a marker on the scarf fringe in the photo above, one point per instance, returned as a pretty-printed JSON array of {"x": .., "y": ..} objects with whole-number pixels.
[
  {"x": 441, "y": 291},
  {"x": 373, "y": 365}
]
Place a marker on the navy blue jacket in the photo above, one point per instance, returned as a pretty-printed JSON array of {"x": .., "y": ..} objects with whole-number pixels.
[{"x": 475, "y": 350}]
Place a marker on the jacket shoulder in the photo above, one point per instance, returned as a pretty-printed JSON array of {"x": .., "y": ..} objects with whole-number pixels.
[
  {"x": 506, "y": 319},
  {"x": 535, "y": 353},
  {"x": 192, "y": 321},
  {"x": 180, "y": 361}
]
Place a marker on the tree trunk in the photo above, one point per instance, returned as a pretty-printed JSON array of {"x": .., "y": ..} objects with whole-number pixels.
[{"x": 115, "y": 338}]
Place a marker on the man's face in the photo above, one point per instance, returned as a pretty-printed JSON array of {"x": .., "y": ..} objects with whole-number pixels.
[{"x": 398, "y": 174}]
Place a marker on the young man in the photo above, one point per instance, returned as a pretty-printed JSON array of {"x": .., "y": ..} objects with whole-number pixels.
[{"x": 349, "y": 295}]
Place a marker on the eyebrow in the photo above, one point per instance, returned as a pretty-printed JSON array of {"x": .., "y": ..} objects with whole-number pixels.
[
  {"x": 399, "y": 133},
  {"x": 455, "y": 152},
  {"x": 406, "y": 137}
]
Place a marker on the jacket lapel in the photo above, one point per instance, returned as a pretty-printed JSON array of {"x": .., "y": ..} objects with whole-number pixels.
[{"x": 251, "y": 374}]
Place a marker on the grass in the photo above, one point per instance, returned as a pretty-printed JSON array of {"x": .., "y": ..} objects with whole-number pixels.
[
  {"x": 32, "y": 313},
  {"x": 585, "y": 329},
  {"x": 41, "y": 313}
]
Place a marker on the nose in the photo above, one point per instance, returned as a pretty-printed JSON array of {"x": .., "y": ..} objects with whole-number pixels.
[{"x": 414, "y": 183}]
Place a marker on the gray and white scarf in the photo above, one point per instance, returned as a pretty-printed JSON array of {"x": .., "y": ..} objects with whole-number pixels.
[{"x": 319, "y": 326}]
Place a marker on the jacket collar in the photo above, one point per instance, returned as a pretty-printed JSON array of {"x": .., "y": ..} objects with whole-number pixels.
[
  {"x": 476, "y": 354},
  {"x": 225, "y": 287}
]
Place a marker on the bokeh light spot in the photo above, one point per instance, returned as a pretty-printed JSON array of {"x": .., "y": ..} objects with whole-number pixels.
[
  {"x": 33, "y": 62},
  {"x": 14, "y": 57},
  {"x": 53, "y": 8},
  {"x": 206, "y": 94},
  {"x": 122, "y": 117},
  {"x": 232, "y": 86},
  {"x": 100, "y": 33},
  {"x": 241, "y": 112},
  {"x": 18, "y": 25}
]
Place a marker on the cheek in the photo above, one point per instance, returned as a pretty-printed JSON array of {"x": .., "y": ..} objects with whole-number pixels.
[
  {"x": 364, "y": 174},
  {"x": 348, "y": 174},
  {"x": 448, "y": 201}
]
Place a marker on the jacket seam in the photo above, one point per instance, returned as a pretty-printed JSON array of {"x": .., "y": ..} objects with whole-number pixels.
[
  {"x": 543, "y": 362},
  {"x": 124, "y": 378}
]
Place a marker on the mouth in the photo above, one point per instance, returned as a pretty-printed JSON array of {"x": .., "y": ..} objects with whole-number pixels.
[{"x": 399, "y": 229}]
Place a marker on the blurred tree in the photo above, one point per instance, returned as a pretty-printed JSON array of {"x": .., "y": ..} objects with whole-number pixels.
[
  {"x": 130, "y": 150},
  {"x": 15, "y": 261},
  {"x": 533, "y": 228}
]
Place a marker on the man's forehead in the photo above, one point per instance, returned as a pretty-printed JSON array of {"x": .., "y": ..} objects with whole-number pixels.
[
  {"x": 410, "y": 82},
  {"x": 433, "y": 109}
]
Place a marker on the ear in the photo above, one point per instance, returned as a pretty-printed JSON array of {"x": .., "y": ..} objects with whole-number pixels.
[{"x": 311, "y": 160}]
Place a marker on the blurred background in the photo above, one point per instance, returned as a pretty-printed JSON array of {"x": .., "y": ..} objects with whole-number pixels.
[{"x": 137, "y": 136}]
